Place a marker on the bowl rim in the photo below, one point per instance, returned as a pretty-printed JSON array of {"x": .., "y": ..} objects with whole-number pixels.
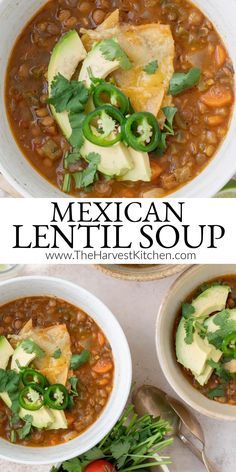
[
  {"x": 121, "y": 396},
  {"x": 211, "y": 178},
  {"x": 175, "y": 382}
]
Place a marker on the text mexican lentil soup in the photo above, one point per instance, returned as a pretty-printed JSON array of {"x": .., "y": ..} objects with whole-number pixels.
[
  {"x": 203, "y": 111},
  {"x": 66, "y": 383}
]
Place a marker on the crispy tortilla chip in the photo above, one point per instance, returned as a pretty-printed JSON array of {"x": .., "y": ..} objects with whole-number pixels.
[
  {"x": 108, "y": 29},
  {"x": 142, "y": 44},
  {"x": 49, "y": 339}
]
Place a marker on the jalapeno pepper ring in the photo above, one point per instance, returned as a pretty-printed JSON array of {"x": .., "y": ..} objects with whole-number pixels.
[
  {"x": 142, "y": 132},
  {"x": 229, "y": 345},
  {"x": 31, "y": 398},
  {"x": 31, "y": 376},
  {"x": 103, "y": 126},
  {"x": 56, "y": 397},
  {"x": 114, "y": 97}
]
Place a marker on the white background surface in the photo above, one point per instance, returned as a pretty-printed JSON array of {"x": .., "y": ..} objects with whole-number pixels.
[{"x": 136, "y": 305}]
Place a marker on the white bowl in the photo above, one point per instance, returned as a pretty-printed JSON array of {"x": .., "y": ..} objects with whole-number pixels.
[
  {"x": 178, "y": 292},
  {"x": 14, "y": 14},
  {"x": 49, "y": 286}
]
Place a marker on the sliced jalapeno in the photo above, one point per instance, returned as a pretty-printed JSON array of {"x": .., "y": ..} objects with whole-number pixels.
[
  {"x": 31, "y": 398},
  {"x": 142, "y": 131},
  {"x": 31, "y": 376},
  {"x": 56, "y": 397},
  {"x": 103, "y": 126},
  {"x": 229, "y": 345},
  {"x": 108, "y": 94}
]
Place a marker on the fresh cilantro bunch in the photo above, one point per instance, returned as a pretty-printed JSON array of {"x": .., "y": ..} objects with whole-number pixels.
[{"x": 133, "y": 444}]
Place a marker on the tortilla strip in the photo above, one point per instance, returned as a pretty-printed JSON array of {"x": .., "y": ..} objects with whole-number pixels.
[
  {"x": 142, "y": 44},
  {"x": 107, "y": 29},
  {"x": 49, "y": 339}
]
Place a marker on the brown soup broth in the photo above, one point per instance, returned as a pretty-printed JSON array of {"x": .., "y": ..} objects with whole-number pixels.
[
  {"x": 94, "y": 388},
  {"x": 199, "y": 129},
  {"x": 230, "y": 387}
]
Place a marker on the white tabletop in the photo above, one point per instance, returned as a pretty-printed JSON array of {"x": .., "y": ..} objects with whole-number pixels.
[{"x": 135, "y": 305}]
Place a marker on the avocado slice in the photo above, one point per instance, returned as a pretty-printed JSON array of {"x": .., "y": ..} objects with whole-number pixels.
[
  {"x": 211, "y": 300},
  {"x": 65, "y": 58},
  {"x": 97, "y": 65},
  {"x": 59, "y": 420},
  {"x": 194, "y": 356},
  {"x": 202, "y": 379},
  {"x": 42, "y": 418},
  {"x": 141, "y": 169},
  {"x": 21, "y": 358},
  {"x": 6, "y": 351},
  {"x": 115, "y": 160}
]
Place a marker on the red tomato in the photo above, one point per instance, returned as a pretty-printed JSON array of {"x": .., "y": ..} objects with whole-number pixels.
[{"x": 100, "y": 466}]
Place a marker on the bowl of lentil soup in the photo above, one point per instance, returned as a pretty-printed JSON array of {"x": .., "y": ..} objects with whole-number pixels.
[
  {"x": 195, "y": 339},
  {"x": 73, "y": 377},
  {"x": 186, "y": 148}
]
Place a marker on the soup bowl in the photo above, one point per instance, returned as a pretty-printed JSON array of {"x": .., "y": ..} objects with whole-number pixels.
[
  {"x": 14, "y": 14},
  {"x": 77, "y": 296},
  {"x": 168, "y": 311}
]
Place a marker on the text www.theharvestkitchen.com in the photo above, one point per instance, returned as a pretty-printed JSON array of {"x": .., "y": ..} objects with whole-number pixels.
[{"x": 131, "y": 256}]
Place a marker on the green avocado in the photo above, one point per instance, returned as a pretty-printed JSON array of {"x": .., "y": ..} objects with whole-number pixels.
[
  {"x": 6, "y": 351},
  {"x": 97, "y": 65},
  {"x": 141, "y": 167},
  {"x": 65, "y": 58},
  {"x": 195, "y": 356},
  {"x": 21, "y": 358},
  {"x": 115, "y": 160}
]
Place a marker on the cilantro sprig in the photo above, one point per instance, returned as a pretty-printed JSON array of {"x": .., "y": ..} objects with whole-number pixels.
[
  {"x": 31, "y": 347},
  {"x": 188, "y": 311},
  {"x": 168, "y": 129},
  {"x": 68, "y": 95},
  {"x": 182, "y": 81},
  {"x": 77, "y": 360},
  {"x": 112, "y": 51},
  {"x": 133, "y": 444}
]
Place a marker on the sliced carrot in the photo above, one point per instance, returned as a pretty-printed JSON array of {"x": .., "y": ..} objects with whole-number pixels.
[
  {"x": 101, "y": 339},
  {"x": 214, "y": 120},
  {"x": 220, "y": 55},
  {"x": 217, "y": 96},
  {"x": 103, "y": 382},
  {"x": 156, "y": 170},
  {"x": 102, "y": 366}
]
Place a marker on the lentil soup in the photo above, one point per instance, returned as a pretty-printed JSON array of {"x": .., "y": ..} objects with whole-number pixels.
[
  {"x": 217, "y": 380},
  {"x": 202, "y": 112},
  {"x": 74, "y": 374}
]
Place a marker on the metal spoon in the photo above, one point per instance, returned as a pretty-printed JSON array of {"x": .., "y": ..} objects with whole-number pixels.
[{"x": 149, "y": 399}]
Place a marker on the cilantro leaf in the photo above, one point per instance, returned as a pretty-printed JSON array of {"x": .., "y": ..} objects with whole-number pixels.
[
  {"x": 221, "y": 318},
  {"x": 181, "y": 81},
  {"x": 222, "y": 373},
  {"x": 71, "y": 158},
  {"x": 76, "y": 121},
  {"x": 74, "y": 382},
  {"x": 73, "y": 465},
  {"x": 31, "y": 347},
  {"x": 216, "y": 392},
  {"x": 77, "y": 360},
  {"x": 151, "y": 68},
  {"x": 25, "y": 431},
  {"x": 112, "y": 51},
  {"x": 54, "y": 469},
  {"x": 216, "y": 338},
  {"x": 57, "y": 354},
  {"x": 120, "y": 451},
  {"x": 187, "y": 310},
  {"x": 189, "y": 330},
  {"x": 87, "y": 177},
  {"x": 94, "y": 454},
  {"x": 169, "y": 113},
  {"x": 67, "y": 95}
]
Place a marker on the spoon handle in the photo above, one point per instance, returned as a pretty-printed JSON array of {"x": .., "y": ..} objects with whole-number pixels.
[{"x": 201, "y": 455}]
